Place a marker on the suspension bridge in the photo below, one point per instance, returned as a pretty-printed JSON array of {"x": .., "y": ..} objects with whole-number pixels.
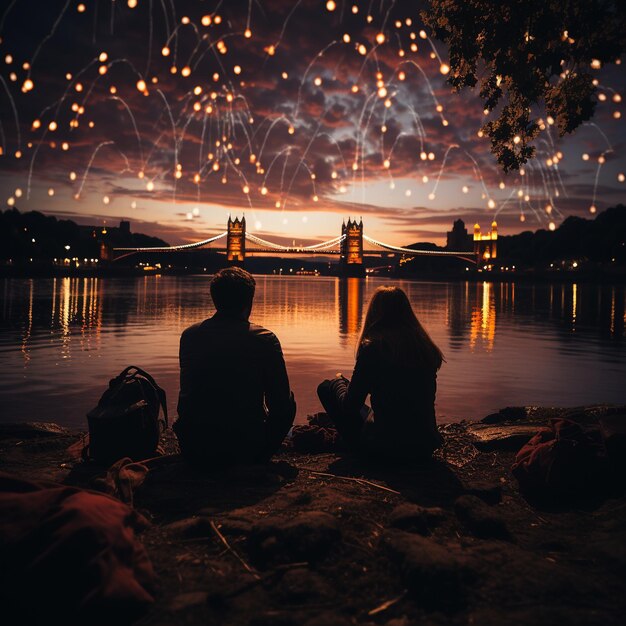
[{"x": 349, "y": 245}]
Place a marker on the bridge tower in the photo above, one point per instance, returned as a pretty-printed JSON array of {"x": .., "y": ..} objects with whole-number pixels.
[
  {"x": 351, "y": 252},
  {"x": 486, "y": 245},
  {"x": 236, "y": 240}
]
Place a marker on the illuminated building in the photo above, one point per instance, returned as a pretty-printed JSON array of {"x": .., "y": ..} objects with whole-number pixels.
[
  {"x": 485, "y": 245},
  {"x": 236, "y": 240},
  {"x": 351, "y": 254}
]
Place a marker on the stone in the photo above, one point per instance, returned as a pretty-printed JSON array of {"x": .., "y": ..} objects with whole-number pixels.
[
  {"x": 239, "y": 521},
  {"x": 186, "y": 600},
  {"x": 502, "y": 437},
  {"x": 32, "y": 430},
  {"x": 415, "y": 518},
  {"x": 299, "y": 586},
  {"x": 190, "y": 527},
  {"x": 589, "y": 415},
  {"x": 306, "y": 537},
  {"x": 236, "y": 525},
  {"x": 481, "y": 519},
  {"x": 434, "y": 575},
  {"x": 329, "y": 619},
  {"x": 488, "y": 491},
  {"x": 507, "y": 414},
  {"x": 275, "y": 618},
  {"x": 399, "y": 621}
]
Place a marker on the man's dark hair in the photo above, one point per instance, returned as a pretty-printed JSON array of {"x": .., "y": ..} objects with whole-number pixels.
[{"x": 232, "y": 289}]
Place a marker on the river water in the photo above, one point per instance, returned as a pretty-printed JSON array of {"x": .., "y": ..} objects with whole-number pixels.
[{"x": 505, "y": 343}]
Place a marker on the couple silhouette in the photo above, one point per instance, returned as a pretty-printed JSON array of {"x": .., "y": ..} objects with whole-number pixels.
[{"x": 235, "y": 405}]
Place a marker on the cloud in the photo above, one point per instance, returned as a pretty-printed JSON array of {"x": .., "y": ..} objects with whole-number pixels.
[{"x": 275, "y": 111}]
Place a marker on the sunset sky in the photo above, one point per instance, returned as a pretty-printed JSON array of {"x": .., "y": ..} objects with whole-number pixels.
[{"x": 175, "y": 114}]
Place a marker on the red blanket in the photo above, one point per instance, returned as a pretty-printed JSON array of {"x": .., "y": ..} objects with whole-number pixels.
[
  {"x": 70, "y": 556},
  {"x": 561, "y": 462}
]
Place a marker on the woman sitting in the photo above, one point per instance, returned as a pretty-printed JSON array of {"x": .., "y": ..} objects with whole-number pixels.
[{"x": 397, "y": 365}]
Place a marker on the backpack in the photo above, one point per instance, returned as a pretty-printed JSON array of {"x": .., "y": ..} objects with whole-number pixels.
[
  {"x": 560, "y": 463},
  {"x": 126, "y": 423}
]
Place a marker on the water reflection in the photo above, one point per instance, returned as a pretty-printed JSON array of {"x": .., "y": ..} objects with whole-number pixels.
[
  {"x": 62, "y": 339},
  {"x": 483, "y": 324},
  {"x": 350, "y": 305},
  {"x": 457, "y": 313}
]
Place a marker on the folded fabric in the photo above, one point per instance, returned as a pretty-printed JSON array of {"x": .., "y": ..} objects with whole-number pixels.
[{"x": 70, "y": 556}]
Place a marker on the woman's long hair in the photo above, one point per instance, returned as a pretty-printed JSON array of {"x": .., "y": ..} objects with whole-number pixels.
[{"x": 392, "y": 325}]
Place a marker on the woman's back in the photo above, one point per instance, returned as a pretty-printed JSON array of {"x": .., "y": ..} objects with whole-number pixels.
[
  {"x": 396, "y": 365},
  {"x": 402, "y": 396},
  {"x": 401, "y": 393}
]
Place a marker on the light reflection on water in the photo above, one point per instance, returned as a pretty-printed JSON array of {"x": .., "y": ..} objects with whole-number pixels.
[{"x": 505, "y": 343}]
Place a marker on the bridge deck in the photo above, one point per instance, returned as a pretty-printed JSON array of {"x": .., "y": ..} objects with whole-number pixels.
[{"x": 365, "y": 252}]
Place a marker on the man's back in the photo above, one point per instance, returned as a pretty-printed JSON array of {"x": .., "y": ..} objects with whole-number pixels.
[{"x": 234, "y": 388}]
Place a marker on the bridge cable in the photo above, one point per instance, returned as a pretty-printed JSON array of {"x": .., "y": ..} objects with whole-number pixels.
[
  {"x": 275, "y": 246},
  {"x": 186, "y": 246},
  {"x": 415, "y": 252}
]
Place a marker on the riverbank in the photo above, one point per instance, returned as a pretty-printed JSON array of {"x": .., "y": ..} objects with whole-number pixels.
[
  {"x": 610, "y": 275},
  {"x": 319, "y": 539}
]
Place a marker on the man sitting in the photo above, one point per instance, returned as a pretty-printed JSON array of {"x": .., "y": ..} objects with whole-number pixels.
[{"x": 235, "y": 405}]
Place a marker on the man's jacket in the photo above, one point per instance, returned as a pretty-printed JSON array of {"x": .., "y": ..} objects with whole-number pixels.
[{"x": 233, "y": 381}]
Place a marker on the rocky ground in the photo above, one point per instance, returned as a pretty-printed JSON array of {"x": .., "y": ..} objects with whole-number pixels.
[{"x": 317, "y": 539}]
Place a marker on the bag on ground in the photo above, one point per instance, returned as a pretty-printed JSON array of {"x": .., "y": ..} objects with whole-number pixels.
[
  {"x": 126, "y": 423},
  {"x": 561, "y": 462}
]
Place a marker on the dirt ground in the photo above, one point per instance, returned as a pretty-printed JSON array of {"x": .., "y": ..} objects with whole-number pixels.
[{"x": 319, "y": 539}]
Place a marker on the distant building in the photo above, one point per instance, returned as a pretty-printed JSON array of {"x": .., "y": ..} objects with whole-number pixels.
[
  {"x": 352, "y": 244},
  {"x": 485, "y": 244},
  {"x": 236, "y": 240},
  {"x": 458, "y": 238},
  {"x": 125, "y": 227}
]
